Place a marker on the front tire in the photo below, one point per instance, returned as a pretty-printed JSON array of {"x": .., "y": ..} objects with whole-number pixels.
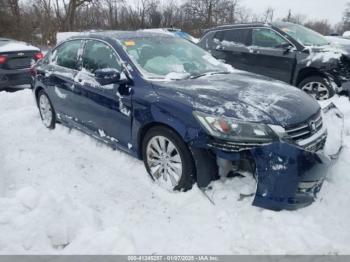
[
  {"x": 46, "y": 110},
  {"x": 167, "y": 159},
  {"x": 318, "y": 87}
]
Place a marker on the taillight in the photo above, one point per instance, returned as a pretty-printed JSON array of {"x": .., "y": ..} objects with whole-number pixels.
[
  {"x": 38, "y": 56},
  {"x": 3, "y": 59}
]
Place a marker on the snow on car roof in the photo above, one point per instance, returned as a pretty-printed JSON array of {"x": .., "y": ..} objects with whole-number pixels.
[
  {"x": 8, "y": 45},
  {"x": 123, "y": 34}
]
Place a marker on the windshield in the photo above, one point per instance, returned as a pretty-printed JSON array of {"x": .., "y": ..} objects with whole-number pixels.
[
  {"x": 171, "y": 58},
  {"x": 305, "y": 36}
]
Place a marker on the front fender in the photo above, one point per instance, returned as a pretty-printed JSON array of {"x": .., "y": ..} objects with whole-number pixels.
[{"x": 180, "y": 119}]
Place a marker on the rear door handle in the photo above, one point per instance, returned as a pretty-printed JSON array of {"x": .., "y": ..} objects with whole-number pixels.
[{"x": 255, "y": 51}]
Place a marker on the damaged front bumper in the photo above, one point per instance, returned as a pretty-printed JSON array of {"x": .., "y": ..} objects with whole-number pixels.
[{"x": 288, "y": 175}]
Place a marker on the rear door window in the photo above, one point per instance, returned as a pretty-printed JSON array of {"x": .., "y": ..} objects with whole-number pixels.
[
  {"x": 267, "y": 38},
  {"x": 235, "y": 36},
  {"x": 98, "y": 55},
  {"x": 66, "y": 55}
]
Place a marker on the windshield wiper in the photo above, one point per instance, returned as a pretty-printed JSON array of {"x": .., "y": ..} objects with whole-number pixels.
[{"x": 210, "y": 73}]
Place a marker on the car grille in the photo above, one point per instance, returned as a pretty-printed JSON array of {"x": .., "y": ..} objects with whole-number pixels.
[
  {"x": 233, "y": 146},
  {"x": 306, "y": 129},
  {"x": 316, "y": 145}
]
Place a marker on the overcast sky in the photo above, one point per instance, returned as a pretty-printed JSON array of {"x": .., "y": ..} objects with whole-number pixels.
[{"x": 315, "y": 9}]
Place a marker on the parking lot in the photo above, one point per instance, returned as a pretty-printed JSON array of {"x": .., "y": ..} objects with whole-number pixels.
[{"x": 62, "y": 189}]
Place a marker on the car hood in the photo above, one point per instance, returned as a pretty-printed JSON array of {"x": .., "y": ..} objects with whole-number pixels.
[
  {"x": 325, "y": 54},
  {"x": 242, "y": 95}
]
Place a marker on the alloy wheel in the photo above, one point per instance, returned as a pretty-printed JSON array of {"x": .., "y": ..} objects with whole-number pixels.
[
  {"x": 317, "y": 90},
  {"x": 164, "y": 162},
  {"x": 45, "y": 110}
]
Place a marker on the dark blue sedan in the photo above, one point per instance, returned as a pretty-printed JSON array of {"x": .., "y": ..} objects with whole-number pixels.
[{"x": 188, "y": 116}]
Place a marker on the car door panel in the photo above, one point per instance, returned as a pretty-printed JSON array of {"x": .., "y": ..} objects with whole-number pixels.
[
  {"x": 230, "y": 47},
  {"x": 97, "y": 104},
  {"x": 273, "y": 63},
  {"x": 59, "y": 77},
  {"x": 267, "y": 59},
  {"x": 60, "y": 83}
]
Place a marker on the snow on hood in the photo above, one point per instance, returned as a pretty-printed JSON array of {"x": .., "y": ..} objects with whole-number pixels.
[
  {"x": 244, "y": 96},
  {"x": 324, "y": 54},
  {"x": 14, "y": 46},
  {"x": 338, "y": 40}
]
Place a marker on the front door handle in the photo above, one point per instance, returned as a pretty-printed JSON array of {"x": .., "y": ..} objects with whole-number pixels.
[{"x": 219, "y": 47}]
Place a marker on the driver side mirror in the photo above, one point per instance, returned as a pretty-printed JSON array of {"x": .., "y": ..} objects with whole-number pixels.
[
  {"x": 107, "y": 76},
  {"x": 287, "y": 47}
]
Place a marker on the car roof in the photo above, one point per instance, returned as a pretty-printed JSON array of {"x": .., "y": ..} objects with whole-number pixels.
[
  {"x": 242, "y": 25},
  {"x": 120, "y": 34},
  {"x": 247, "y": 25}
]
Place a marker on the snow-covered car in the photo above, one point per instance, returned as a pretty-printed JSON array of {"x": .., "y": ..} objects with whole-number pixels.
[
  {"x": 188, "y": 116},
  {"x": 16, "y": 59},
  {"x": 285, "y": 51}
]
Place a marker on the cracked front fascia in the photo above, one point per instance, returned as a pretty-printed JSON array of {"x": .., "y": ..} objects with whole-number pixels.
[{"x": 280, "y": 167}]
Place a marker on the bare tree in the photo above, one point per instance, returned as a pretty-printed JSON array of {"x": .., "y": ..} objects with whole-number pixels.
[
  {"x": 66, "y": 12},
  {"x": 346, "y": 18},
  {"x": 113, "y": 7},
  {"x": 295, "y": 18},
  {"x": 321, "y": 26},
  {"x": 268, "y": 15}
]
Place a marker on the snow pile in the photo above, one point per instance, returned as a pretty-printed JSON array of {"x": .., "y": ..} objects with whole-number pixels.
[
  {"x": 47, "y": 221},
  {"x": 62, "y": 192},
  {"x": 346, "y": 34}
]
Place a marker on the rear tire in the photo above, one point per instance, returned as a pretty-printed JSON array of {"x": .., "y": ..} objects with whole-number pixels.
[
  {"x": 318, "y": 87},
  {"x": 168, "y": 159},
  {"x": 47, "y": 113}
]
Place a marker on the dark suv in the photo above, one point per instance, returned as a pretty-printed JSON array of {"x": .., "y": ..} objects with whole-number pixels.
[{"x": 284, "y": 51}]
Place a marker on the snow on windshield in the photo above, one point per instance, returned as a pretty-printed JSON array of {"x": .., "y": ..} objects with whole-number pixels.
[
  {"x": 163, "y": 57},
  {"x": 305, "y": 36}
]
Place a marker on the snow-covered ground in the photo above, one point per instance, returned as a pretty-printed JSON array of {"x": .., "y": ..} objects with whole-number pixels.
[{"x": 63, "y": 192}]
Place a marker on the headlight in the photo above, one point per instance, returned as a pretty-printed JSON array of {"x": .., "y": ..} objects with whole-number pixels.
[{"x": 235, "y": 130}]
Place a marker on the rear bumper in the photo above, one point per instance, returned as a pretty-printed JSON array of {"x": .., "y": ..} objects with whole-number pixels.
[{"x": 12, "y": 78}]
